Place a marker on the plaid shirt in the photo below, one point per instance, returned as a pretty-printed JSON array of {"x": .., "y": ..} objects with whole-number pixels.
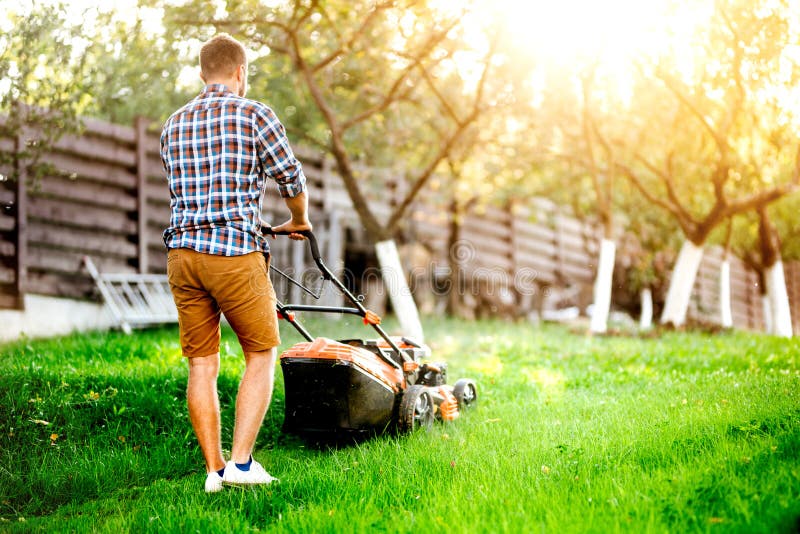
[{"x": 218, "y": 151}]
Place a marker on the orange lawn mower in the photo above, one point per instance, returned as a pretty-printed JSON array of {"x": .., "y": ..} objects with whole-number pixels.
[{"x": 357, "y": 387}]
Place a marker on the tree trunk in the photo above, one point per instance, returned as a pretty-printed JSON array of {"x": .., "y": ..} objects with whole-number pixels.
[
  {"x": 455, "y": 298},
  {"x": 395, "y": 281},
  {"x": 726, "y": 316},
  {"x": 778, "y": 300},
  {"x": 602, "y": 287},
  {"x": 681, "y": 284},
  {"x": 766, "y": 308},
  {"x": 646, "y": 317}
]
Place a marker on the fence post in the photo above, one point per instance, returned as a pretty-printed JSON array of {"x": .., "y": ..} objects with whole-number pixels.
[
  {"x": 325, "y": 183},
  {"x": 558, "y": 241},
  {"x": 511, "y": 228},
  {"x": 140, "y": 125},
  {"x": 20, "y": 219},
  {"x": 753, "y": 304},
  {"x": 334, "y": 256}
]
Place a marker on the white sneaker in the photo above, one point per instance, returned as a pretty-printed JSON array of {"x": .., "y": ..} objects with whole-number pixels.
[
  {"x": 255, "y": 475},
  {"x": 213, "y": 482}
]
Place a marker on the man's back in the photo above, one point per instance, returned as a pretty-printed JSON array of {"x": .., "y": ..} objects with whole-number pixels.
[{"x": 218, "y": 151}]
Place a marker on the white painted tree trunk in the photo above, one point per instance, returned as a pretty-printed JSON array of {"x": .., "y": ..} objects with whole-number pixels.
[
  {"x": 766, "y": 308},
  {"x": 779, "y": 300},
  {"x": 646, "y": 318},
  {"x": 681, "y": 284},
  {"x": 726, "y": 315},
  {"x": 602, "y": 287},
  {"x": 395, "y": 282}
]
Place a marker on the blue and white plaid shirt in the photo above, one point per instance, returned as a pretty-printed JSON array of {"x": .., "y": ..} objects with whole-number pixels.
[{"x": 218, "y": 151}]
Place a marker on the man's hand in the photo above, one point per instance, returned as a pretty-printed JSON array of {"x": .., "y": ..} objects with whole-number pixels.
[{"x": 293, "y": 226}]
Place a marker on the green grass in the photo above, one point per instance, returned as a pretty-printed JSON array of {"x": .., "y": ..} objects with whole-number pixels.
[{"x": 684, "y": 433}]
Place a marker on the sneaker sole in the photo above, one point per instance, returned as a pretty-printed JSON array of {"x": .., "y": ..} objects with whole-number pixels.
[{"x": 248, "y": 484}]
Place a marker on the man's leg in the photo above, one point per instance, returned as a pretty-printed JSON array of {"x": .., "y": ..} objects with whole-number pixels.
[
  {"x": 203, "y": 402},
  {"x": 252, "y": 401}
]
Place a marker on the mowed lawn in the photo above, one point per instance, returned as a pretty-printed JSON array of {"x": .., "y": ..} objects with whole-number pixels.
[{"x": 679, "y": 433}]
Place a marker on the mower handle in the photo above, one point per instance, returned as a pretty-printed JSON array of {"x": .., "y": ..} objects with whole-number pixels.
[
  {"x": 308, "y": 234},
  {"x": 328, "y": 275}
]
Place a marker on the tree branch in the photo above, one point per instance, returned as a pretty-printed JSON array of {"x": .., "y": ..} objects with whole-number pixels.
[
  {"x": 298, "y": 17},
  {"x": 686, "y": 224},
  {"x": 672, "y": 194},
  {"x": 761, "y": 199},
  {"x": 447, "y": 146},
  {"x": 337, "y": 148},
  {"x": 223, "y": 23},
  {"x": 756, "y": 200},
  {"x": 439, "y": 96},
  {"x": 719, "y": 140},
  {"x": 390, "y": 96},
  {"x": 371, "y": 16},
  {"x": 302, "y": 134}
]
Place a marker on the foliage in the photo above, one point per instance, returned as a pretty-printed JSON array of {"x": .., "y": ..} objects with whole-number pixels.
[
  {"x": 686, "y": 432},
  {"x": 121, "y": 84},
  {"x": 41, "y": 79},
  {"x": 715, "y": 141}
]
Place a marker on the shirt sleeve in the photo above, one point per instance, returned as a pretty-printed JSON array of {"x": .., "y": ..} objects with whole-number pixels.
[
  {"x": 162, "y": 141},
  {"x": 277, "y": 158}
]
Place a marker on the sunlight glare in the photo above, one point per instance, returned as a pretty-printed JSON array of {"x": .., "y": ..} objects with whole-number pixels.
[
  {"x": 609, "y": 30},
  {"x": 611, "y": 34}
]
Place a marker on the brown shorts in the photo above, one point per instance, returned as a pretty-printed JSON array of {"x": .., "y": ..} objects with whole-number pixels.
[{"x": 205, "y": 285}]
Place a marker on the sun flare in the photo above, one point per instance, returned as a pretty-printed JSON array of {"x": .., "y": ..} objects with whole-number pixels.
[
  {"x": 610, "y": 30},
  {"x": 611, "y": 34}
]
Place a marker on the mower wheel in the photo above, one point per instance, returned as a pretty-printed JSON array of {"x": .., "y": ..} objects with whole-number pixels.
[
  {"x": 416, "y": 409},
  {"x": 465, "y": 392}
]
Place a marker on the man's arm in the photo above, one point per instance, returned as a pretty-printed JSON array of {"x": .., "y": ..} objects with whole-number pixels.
[{"x": 298, "y": 207}]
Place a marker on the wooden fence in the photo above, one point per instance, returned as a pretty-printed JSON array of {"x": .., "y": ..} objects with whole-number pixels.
[{"x": 105, "y": 196}]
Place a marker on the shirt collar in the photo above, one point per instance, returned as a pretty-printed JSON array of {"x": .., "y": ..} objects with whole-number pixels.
[{"x": 216, "y": 88}]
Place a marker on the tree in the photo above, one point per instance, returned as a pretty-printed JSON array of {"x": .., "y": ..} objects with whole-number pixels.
[
  {"x": 716, "y": 144},
  {"x": 758, "y": 240},
  {"x": 570, "y": 121}
]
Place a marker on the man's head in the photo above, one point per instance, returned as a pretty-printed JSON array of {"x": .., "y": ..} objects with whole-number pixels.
[{"x": 223, "y": 60}]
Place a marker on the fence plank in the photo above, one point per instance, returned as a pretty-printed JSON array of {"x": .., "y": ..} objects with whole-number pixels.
[
  {"x": 54, "y": 261},
  {"x": 84, "y": 241},
  {"x": 82, "y": 191},
  {"x": 117, "y": 132},
  {"x": 141, "y": 193},
  {"x": 57, "y": 285},
  {"x": 157, "y": 192},
  {"x": 79, "y": 215},
  {"x": 8, "y": 145},
  {"x": 158, "y": 259},
  {"x": 108, "y": 173},
  {"x": 98, "y": 149},
  {"x": 7, "y": 278},
  {"x": 496, "y": 247}
]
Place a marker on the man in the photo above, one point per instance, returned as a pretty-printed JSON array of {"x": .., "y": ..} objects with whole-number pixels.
[{"x": 218, "y": 151}]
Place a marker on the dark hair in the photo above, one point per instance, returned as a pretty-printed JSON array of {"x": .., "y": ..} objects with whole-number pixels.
[{"x": 221, "y": 55}]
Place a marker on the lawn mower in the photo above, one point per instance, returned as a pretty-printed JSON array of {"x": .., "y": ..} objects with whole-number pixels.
[{"x": 353, "y": 387}]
